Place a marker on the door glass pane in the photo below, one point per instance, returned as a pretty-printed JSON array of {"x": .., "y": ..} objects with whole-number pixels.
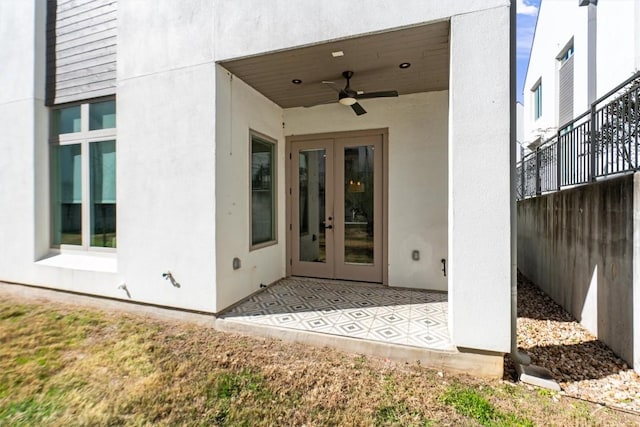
[
  {"x": 67, "y": 188},
  {"x": 358, "y": 205},
  {"x": 103, "y": 194},
  {"x": 311, "y": 178}
]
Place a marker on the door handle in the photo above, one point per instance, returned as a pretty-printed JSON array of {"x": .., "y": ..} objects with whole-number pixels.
[{"x": 328, "y": 226}]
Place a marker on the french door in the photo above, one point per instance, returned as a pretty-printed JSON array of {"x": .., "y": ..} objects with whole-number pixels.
[{"x": 337, "y": 207}]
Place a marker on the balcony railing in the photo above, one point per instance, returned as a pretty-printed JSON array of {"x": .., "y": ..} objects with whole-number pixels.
[{"x": 595, "y": 145}]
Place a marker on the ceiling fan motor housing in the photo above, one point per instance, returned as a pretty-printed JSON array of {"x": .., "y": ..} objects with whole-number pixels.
[{"x": 346, "y": 98}]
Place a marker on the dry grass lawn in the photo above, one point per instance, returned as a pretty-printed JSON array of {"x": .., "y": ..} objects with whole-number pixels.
[{"x": 65, "y": 365}]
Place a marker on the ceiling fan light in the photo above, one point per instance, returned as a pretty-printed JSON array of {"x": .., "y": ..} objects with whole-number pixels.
[{"x": 347, "y": 100}]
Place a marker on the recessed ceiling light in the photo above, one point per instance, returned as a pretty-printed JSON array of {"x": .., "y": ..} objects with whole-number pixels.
[
  {"x": 337, "y": 53},
  {"x": 296, "y": 81},
  {"x": 405, "y": 65}
]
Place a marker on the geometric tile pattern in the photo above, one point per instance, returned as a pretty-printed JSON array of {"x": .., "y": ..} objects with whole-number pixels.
[{"x": 374, "y": 312}]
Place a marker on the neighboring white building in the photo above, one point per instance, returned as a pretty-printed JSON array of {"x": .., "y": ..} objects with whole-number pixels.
[
  {"x": 581, "y": 50},
  {"x": 520, "y": 145},
  {"x": 220, "y": 161}
]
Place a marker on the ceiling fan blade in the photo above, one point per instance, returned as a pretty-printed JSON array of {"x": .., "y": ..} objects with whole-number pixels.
[
  {"x": 357, "y": 108},
  {"x": 381, "y": 94}
]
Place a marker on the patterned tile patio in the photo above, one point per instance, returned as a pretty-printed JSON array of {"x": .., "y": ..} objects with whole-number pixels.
[{"x": 371, "y": 312}]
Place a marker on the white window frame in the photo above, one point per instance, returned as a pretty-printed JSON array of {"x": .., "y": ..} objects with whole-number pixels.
[
  {"x": 566, "y": 52},
  {"x": 84, "y": 138},
  {"x": 274, "y": 185}
]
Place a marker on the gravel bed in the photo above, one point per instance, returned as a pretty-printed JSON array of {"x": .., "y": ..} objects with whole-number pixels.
[{"x": 584, "y": 367}]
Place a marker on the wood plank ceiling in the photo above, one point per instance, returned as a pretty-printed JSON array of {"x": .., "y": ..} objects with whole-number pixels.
[{"x": 374, "y": 59}]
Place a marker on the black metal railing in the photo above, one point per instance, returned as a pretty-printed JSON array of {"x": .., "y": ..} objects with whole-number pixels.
[{"x": 599, "y": 143}]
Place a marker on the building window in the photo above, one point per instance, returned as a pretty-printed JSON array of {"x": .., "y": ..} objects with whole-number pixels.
[
  {"x": 263, "y": 191},
  {"x": 537, "y": 100},
  {"x": 83, "y": 179},
  {"x": 566, "y": 55}
]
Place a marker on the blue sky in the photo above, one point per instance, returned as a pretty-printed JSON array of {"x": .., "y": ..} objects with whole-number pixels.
[{"x": 527, "y": 14}]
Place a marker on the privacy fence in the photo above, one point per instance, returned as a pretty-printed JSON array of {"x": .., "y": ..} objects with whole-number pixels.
[{"x": 597, "y": 144}]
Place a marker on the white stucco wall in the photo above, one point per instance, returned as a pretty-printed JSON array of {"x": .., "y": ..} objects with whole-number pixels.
[
  {"x": 166, "y": 199},
  {"x": 519, "y": 131},
  {"x": 166, "y": 152},
  {"x": 618, "y": 38},
  {"x": 21, "y": 95},
  {"x": 240, "y": 108},
  {"x": 618, "y": 26},
  {"x": 297, "y": 23},
  {"x": 479, "y": 166},
  {"x": 417, "y": 153}
]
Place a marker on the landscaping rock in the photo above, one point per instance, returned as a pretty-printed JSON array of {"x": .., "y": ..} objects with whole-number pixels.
[{"x": 584, "y": 367}]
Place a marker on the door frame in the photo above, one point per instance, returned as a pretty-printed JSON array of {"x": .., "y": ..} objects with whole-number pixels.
[{"x": 384, "y": 134}]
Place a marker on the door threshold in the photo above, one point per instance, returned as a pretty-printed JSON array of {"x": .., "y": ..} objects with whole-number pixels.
[{"x": 337, "y": 281}]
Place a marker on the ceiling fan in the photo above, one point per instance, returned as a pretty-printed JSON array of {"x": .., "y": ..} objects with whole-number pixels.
[{"x": 350, "y": 97}]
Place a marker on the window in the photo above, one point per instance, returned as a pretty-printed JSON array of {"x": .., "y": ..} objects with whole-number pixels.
[
  {"x": 537, "y": 100},
  {"x": 566, "y": 55},
  {"x": 83, "y": 178},
  {"x": 263, "y": 191}
]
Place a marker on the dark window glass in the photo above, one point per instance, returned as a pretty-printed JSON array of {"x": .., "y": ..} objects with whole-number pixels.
[
  {"x": 263, "y": 191},
  {"x": 67, "y": 187}
]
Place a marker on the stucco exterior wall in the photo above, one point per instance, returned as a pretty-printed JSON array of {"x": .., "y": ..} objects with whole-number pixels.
[
  {"x": 239, "y": 108},
  {"x": 417, "y": 175},
  {"x": 618, "y": 25},
  {"x": 291, "y": 23},
  {"x": 166, "y": 152},
  {"x": 479, "y": 162},
  {"x": 21, "y": 105},
  {"x": 618, "y": 42},
  {"x": 578, "y": 246}
]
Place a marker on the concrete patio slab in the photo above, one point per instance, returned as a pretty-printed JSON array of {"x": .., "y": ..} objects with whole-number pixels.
[{"x": 406, "y": 325}]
